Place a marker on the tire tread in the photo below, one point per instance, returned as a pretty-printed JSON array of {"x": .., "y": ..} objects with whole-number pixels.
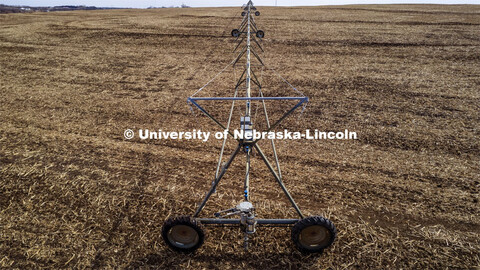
[
  {"x": 183, "y": 220},
  {"x": 309, "y": 221}
]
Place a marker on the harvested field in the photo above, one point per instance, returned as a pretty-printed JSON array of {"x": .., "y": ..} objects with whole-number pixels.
[{"x": 74, "y": 193}]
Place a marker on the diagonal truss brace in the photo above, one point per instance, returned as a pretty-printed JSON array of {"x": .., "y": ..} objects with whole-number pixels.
[{"x": 302, "y": 100}]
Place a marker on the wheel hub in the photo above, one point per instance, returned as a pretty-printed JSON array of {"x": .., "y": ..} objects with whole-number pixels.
[
  {"x": 183, "y": 236},
  {"x": 314, "y": 236}
]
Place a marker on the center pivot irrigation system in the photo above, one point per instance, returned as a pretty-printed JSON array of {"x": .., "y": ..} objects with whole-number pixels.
[{"x": 309, "y": 234}]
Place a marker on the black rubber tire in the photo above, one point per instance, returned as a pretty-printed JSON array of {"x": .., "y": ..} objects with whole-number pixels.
[
  {"x": 257, "y": 13},
  {"x": 244, "y": 13},
  {"x": 330, "y": 234},
  {"x": 235, "y": 33},
  {"x": 260, "y": 34},
  {"x": 186, "y": 221}
]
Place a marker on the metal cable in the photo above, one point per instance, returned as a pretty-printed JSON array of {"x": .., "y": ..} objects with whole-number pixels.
[
  {"x": 273, "y": 143},
  {"x": 284, "y": 80},
  {"x": 228, "y": 128},
  {"x": 213, "y": 78}
]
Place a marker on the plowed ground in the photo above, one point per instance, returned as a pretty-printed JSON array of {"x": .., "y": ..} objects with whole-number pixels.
[{"x": 75, "y": 194}]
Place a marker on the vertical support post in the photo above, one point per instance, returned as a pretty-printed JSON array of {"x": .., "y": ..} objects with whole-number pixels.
[
  {"x": 247, "y": 175},
  {"x": 248, "y": 109},
  {"x": 248, "y": 149}
]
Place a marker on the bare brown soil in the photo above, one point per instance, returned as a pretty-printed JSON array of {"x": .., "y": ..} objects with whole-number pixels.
[{"x": 75, "y": 194}]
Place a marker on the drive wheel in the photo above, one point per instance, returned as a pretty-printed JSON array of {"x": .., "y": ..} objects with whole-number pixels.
[
  {"x": 183, "y": 233},
  {"x": 235, "y": 33},
  {"x": 260, "y": 34},
  {"x": 313, "y": 234}
]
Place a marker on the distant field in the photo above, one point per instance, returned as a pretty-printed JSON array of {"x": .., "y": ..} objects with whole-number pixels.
[{"x": 75, "y": 194}]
